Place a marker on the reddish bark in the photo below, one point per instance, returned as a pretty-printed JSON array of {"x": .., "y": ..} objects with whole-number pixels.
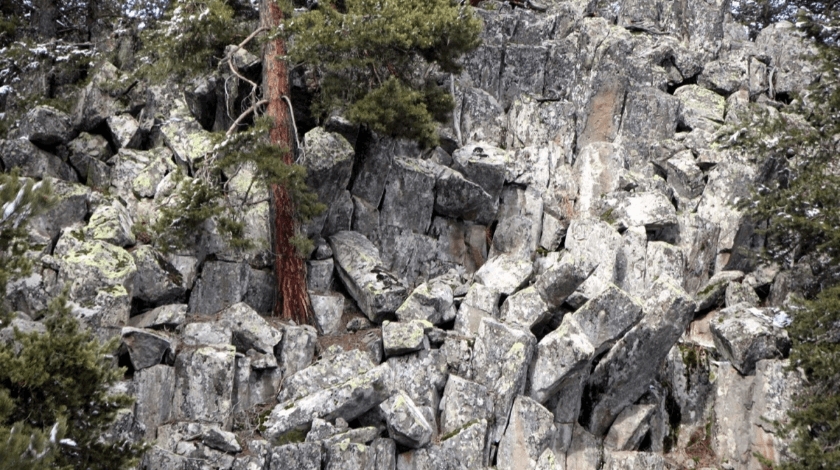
[{"x": 292, "y": 300}]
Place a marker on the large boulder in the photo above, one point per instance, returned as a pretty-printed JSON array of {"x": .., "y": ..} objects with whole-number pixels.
[
  {"x": 328, "y": 159},
  {"x": 46, "y": 126},
  {"x": 745, "y": 335},
  {"x": 529, "y": 433},
  {"x": 375, "y": 289},
  {"x": 34, "y": 162},
  {"x": 204, "y": 385},
  {"x": 406, "y": 423}
]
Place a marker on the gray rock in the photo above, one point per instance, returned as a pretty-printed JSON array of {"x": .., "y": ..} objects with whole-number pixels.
[
  {"x": 328, "y": 159},
  {"x": 525, "y": 308},
  {"x": 463, "y": 402},
  {"x": 71, "y": 208},
  {"x": 219, "y": 285},
  {"x": 607, "y": 317},
  {"x": 559, "y": 355},
  {"x": 585, "y": 451},
  {"x": 260, "y": 293},
  {"x": 375, "y": 290},
  {"x": 369, "y": 184},
  {"x": 530, "y": 431},
  {"x": 406, "y": 424},
  {"x": 634, "y": 461},
  {"x": 745, "y": 335},
  {"x": 627, "y": 370},
  {"x": 422, "y": 376},
  {"x": 482, "y": 117},
  {"x": 88, "y": 154},
  {"x": 684, "y": 175},
  {"x": 740, "y": 293},
  {"x": 328, "y": 372},
  {"x": 601, "y": 116},
  {"x": 664, "y": 260},
  {"x": 339, "y": 215},
  {"x": 467, "y": 444},
  {"x": 409, "y": 194},
  {"x": 523, "y": 71},
  {"x": 95, "y": 104},
  {"x": 347, "y": 455},
  {"x": 520, "y": 222},
  {"x": 603, "y": 254},
  {"x": 505, "y": 273},
  {"x": 34, "y": 162},
  {"x": 46, "y": 126},
  {"x": 629, "y": 428},
  {"x": 403, "y": 337},
  {"x": 154, "y": 389},
  {"x": 651, "y": 210},
  {"x": 160, "y": 458},
  {"x": 540, "y": 126},
  {"x": 250, "y": 330},
  {"x": 111, "y": 223},
  {"x": 561, "y": 280},
  {"x": 297, "y": 349},
  {"x": 157, "y": 281},
  {"x": 327, "y": 310},
  {"x": 500, "y": 362},
  {"x": 701, "y": 108},
  {"x": 206, "y": 333},
  {"x": 319, "y": 275},
  {"x": 713, "y": 292},
  {"x": 186, "y": 138},
  {"x": 204, "y": 385},
  {"x": 23, "y": 325},
  {"x": 124, "y": 130},
  {"x": 347, "y": 401},
  {"x": 431, "y": 301},
  {"x": 456, "y": 196},
  {"x": 301, "y": 456},
  {"x": 787, "y": 49},
  {"x": 597, "y": 170},
  {"x": 167, "y": 315},
  {"x": 484, "y": 165},
  {"x": 256, "y": 381},
  {"x": 93, "y": 266},
  {"x": 650, "y": 116},
  {"x": 145, "y": 348},
  {"x": 428, "y": 458}
]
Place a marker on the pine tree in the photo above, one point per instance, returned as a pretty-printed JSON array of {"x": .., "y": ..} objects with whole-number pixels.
[{"x": 802, "y": 145}]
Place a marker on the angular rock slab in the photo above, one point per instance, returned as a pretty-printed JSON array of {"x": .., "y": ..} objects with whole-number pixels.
[
  {"x": 463, "y": 402},
  {"x": 500, "y": 362},
  {"x": 301, "y": 456},
  {"x": 403, "y": 337},
  {"x": 559, "y": 354},
  {"x": 529, "y": 433},
  {"x": 627, "y": 370},
  {"x": 630, "y": 427},
  {"x": 47, "y": 126},
  {"x": 332, "y": 370},
  {"x": 93, "y": 266},
  {"x": 607, "y": 317},
  {"x": 561, "y": 280},
  {"x": 505, "y": 273},
  {"x": 467, "y": 445},
  {"x": 347, "y": 401},
  {"x": 204, "y": 385},
  {"x": 154, "y": 389},
  {"x": 409, "y": 194},
  {"x": 745, "y": 335},
  {"x": 250, "y": 330},
  {"x": 651, "y": 210},
  {"x": 406, "y": 423},
  {"x": 377, "y": 291},
  {"x": 431, "y": 301},
  {"x": 525, "y": 308},
  {"x": 145, "y": 348},
  {"x": 634, "y": 461}
]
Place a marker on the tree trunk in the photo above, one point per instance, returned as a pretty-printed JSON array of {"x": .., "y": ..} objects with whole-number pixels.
[
  {"x": 44, "y": 19},
  {"x": 292, "y": 300}
]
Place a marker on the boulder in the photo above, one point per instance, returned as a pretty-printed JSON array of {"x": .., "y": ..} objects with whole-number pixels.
[
  {"x": 664, "y": 260},
  {"x": 360, "y": 268},
  {"x": 594, "y": 243},
  {"x": 124, "y": 130},
  {"x": 650, "y": 116},
  {"x": 629, "y": 428},
  {"x": 186, "y": 138},
  {"x": 154, "y": 389},
  {"x": 559, "y": 355},
  {"x": 523, "y": 72},
  {"x": 431, "y": 301},
  {"x": 500, "y": 362},
  {"x": 111, "y": 223},
  {"x": 634, "y": 461},
  {"x": 483, "y": 164},
  {"x": 300, "y": 456},
  {"x": 421, "y": 375},
  {"x": 561, "y": 280},
  {"x": 170, "y": 315},
  {"x": 651, "y": 210},
  {"x": 204, "y": 385},
  {"x": 529, "y": 433},
  {"x": 701, "y": 108},
  {"x": 406, "y": 424},
  {"x": 328, "y": 159},
  {"x": 46, "y": 126},
  {"x": 463, "y": 402},
  {"x": 320, "y": 274},
  {"x": 34, "y": 162},
  {"x": 467, "y": 444},
  {"x": 250, "y": 330},
  {"x": 219, "y": 285},
  {"x": 96, "y": 104},
  {"x": 525, "y": 308},
  {"x": 740, "y": 293},
  {"x": 403, "y": 337},
  {"x": 482, "y": 117},
  {"x": 456, "y": 196},
  {"x": 598, "y": 170},
  {"x": 296, "y": 350},
  {"x": 409, "y": 194},
  {"x": 627, "y": 370},
  {"x": 332, "y": 370},
  {"x": 93, "y": 266},
  {"x": 327, "y": 310},
  {"x": 346, "y": 401},
  {"x": 536, "y": 125},
  {"x": 206, "y": 333},
  {"x": 71, "y": 207},
  {"x": 145, "y": 348},
  {"x": 745, "y": 335}
]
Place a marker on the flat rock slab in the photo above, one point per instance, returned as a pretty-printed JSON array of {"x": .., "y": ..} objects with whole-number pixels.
[
  {"x": 377, "y": 291},
  {"x": 403, "y": 337}
]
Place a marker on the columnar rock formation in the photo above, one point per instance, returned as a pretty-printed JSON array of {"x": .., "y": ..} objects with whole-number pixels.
[{"x": 544, "y": 290}]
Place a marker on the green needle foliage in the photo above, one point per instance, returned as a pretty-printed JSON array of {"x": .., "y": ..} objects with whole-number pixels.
[
  {"x": 802, "y": 147},
  {"x": 374, "y": 58}
]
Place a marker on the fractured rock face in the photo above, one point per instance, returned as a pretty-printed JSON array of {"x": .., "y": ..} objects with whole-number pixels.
[
  {"x": 529, "y": 433},
  {"x": 406, "y": 424},
  {"x": 745, "y": 335}
]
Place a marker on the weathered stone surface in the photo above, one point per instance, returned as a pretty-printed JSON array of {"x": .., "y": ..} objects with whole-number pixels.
[
  {"x": 431, "y": 301},
  {"x": 650, "y": 116},
  {"x": 467, "y": 445},
  {"x": 625, "y": 373},
  {"x": 483, "y": 164},
  {"x": 664, "y": 259},
  {"x": 111, "y": 223},
  {"x": 88, "y": 154},
  {"x": 347, "y": 401},
  {"x": 145, "y": 348},
  {"x": 740, "y": 293},
  {"x": 206, "y": 333},
  {"x": 95, "y": 104},
  {"x": 46, "y": 126},
  {"x": 409, "y": 194},
  {"x": 327, "y": 310},
  {"x": 600, "y": 119},
  {"x": 219, "y": 285},
  {"x": 124, "y": 130},
  {"x": 463, "y": 402},
  {"x": 559, "y": 355},
  {"x": 701, "y": 108},
  {"x": 629, "y": 428},
  {"x": 651, "y": 210},
  {"x": 585, "y": 451},
  {"x": 154, "y": 389},
  {"x": 301, "y": 456},
  {"x": 595, "y": 243},
  {"x": 598, "y": 169},
  {"x": 167, "y": 315},
  {"x": 525, "y": 308},
  {"x": 406, "y": 424},
  {"x": 71, "y": 208},
  {"x": 539, "y": 126},
  {"x": 403, "y": 337},
  {"x": 328, "y": 159},
  {"x": 634, "y": 461},
  {"x": 456, "y": 196},
  {"x": 745, "y": 335},
  {"x": 505, "y": 273},
  {"x": 93, "y": 266},
  {"x": 422, "y": 376},
  {"x": 250, "y": 330},
  {"x": 34, "y": 162},
  {"x": 297, "y": 349},
  {"x": 530, "y": 431},
  {"x": 334, "y": 369},
  {"x": 204, "y": 385},
  {"x": 561, "y": 280},
  {"x": 746, "y": 408},
  {"x": 157, "y": 281},
  {"x": 607, "y": 317},
  {"x": 787, "y": 49},
  {"x": 186, "y": 138},
  {"x": 359, "y": 267},
  {"x": 319, "y": 274},
  {"x": 523, "y": 71},
  {"x": 500, "y": 362},
  {"x": 482, "y": 117}
]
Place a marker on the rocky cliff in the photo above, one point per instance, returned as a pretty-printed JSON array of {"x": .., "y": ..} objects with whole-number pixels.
[{"x": 565, "y": 283}]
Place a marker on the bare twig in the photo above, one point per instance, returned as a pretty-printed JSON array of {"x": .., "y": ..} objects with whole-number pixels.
[{"x": 242, "y": 116}]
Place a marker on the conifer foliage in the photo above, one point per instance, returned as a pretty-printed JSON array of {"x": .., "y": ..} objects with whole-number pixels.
[
  {"x": 376, "y": 59},
  {"x": 801, "y": 146}
]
